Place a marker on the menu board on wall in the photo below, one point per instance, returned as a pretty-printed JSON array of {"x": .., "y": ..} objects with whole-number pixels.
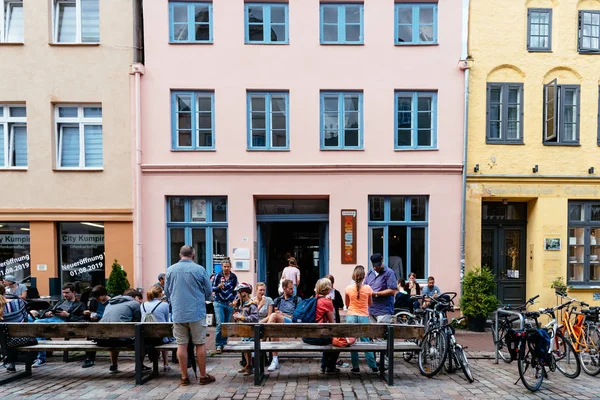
[
  {"x": 15, "y": 258},
  {"x": 348, "y": 236}
]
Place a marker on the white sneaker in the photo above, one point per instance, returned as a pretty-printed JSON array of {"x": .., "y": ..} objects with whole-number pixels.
[
  {"x": 38, "y": 363},
  {"x": 274, "y": 365}
]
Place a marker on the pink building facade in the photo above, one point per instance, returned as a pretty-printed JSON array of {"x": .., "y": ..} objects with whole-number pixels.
[{"x": 320, "y": 130}]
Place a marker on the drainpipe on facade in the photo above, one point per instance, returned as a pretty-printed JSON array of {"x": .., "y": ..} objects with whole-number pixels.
[
  {"x": 137, "y": 69},
  {"x": 464, "y": 65}
]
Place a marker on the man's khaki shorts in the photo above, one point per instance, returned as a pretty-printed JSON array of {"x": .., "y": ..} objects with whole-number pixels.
[{"x": 182, "y": 331}]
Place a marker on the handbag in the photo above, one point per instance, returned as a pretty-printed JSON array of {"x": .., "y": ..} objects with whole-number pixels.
[
  {"x": 13, "y": 342},
  {"x": 280, "y": 288},
  {"x": 343, "y": 341}
]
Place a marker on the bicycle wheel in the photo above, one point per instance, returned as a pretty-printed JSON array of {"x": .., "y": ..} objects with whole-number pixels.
[
  {"x": 463, "y": 362},
  {"x": 502, "y": 349},
  {"x": 590, "y": 357},
  {"x": 531, "y": 371},
  {"x": 451, "y": 363},
  {"x": 434, "y": 350},
  {"x": 567, "y": 360},
  {"x": 408, "y": 355}
]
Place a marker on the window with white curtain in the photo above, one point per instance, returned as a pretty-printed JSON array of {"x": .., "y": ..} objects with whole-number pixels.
[
  {"x": 76, "y": 21},
  {"x": 79, "y": 136},
  {"x": 11, "y": 21},
  {"x": 13, "y": 136}
]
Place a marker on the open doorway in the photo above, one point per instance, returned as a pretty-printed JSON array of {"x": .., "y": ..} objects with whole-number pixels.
[{"x": 306, "y": 241}]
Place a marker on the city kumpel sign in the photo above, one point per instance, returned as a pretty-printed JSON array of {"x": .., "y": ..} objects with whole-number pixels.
[{"x": 348, "y": 236}]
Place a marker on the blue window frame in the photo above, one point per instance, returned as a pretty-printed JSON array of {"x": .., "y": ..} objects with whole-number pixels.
[
  {"x": 416, "y": 24},
  {"x": 342, "y": 23},
  {"x": 190, "y": 22},
  {"x": 416, "y": 120},
  {"x": 193, "y": 121},
  {"x": 268, "y": 121},
  {"x": 398, "y": 227},
  {"x": 341, "y": 121},
  {"x": 266, "y": 23},
  {"x": 200, "y": 222}
]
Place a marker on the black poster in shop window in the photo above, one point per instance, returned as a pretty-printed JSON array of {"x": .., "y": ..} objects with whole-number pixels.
[{"x": 15, "y": 252}]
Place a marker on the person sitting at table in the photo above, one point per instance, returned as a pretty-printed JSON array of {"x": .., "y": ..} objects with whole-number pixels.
[
  {"x": 247, "y": 311},
  {"x": 13, "y": 287},
  {"x": 12, "y": 309},
  {"x": 96, "y": 306}
]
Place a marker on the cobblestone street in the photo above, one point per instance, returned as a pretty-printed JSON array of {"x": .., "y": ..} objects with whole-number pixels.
[{"x": 298, "y": 378}]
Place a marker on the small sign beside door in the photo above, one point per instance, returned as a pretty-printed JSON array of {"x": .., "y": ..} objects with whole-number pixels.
[
  {"x": 552, "y": 244},
  {"x": 348, "y": 236}
]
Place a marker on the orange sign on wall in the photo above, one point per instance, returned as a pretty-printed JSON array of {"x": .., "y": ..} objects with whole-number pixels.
[{"x": 348, "y": 236}]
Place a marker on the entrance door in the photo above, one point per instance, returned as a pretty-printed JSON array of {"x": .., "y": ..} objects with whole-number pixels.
[{"x": 503, "y": 251}]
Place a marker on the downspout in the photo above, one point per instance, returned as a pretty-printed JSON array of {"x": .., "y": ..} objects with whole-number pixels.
[
  {"x": 137, "y": 69},
  {"x": 464, "y": 65}
]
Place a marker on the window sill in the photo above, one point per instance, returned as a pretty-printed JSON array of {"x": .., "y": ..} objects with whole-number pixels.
[
  {"x": 342, "y": 44},
  {"x": 581, "y": 286},
  {"x": 18, "y": 169},
  {"x": 520, "y": 143},
  {"x": 350, "y": 149},
  {"x": 267, "y": 44},
  {"x": 589, "y": 52},
  {"x": 416, "y": 44},
  {"x": 401, "y": 149},
  {"x": 188, "y": 43},
  {"x": 78, "y": 169},
  {"x": 562, "y": 144},
  {"x": 539, "y": 50},
  {"x": 191, "y": 150},
  {"x": 74, "y": 44},
  {"x": 267, "y": 150},
  {"x": 12, "y": 44}
]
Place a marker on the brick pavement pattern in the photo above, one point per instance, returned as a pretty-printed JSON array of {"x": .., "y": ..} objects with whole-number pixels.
[{"x": 298, "y": 378}]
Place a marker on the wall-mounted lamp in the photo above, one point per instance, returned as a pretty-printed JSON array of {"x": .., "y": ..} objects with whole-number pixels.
[
  {"x": 535, "y": 169},
  {"x": 476, "y": 169},
  {"x": 591, "y": 170}
]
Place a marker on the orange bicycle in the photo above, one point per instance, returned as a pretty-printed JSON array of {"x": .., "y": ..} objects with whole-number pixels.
[{"x": 583, "y": 330}]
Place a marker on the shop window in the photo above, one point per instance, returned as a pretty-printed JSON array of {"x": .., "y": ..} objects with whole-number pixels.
[
  {"x": 268, "y": 122},
  {"x": 539, "y": 29},
  {"x": 583, "y": 264},
  {"x": 416, "y": 24},
  {"x": 190, "y": 22},
  {"x": 398, "y": 228},
  {"x": 76, "y": 21},
  {"x": 13, "y": 136},
  {"x": 11, "y": 21},
  {"x": 193, "y": 121},
  {"x": 342, "y": 23},
  {"x": 589, "y": 31},
  {"x": 81, "y": 252},
  {"x": 341, "y": 121},
  {"x": 266, "y": 23},
  {"x": 15, "y": 250},
  {"x": 504, "y": 113},
  {"x": 416, "y": 120},
  {"x": 561, "y": 114},
  {"x": 200, "y": 222}
]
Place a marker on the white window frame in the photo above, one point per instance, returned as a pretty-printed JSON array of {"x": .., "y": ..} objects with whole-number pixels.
[
  {"x": 55, "y": 16},
  {"x": 3, "y": 20},
  {"x": 9, "y": 135},
  {"x": 80, "y": 121}
]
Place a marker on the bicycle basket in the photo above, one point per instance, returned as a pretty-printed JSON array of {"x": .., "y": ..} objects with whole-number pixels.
[{"x": 513, "y": 339}]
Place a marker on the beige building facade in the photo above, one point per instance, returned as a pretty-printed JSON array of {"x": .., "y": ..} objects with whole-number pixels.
[{"x": 65, "y": 126}]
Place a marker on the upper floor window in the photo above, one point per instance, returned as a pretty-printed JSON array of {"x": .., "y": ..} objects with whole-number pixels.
[
  {"x": 79, "y": 136},
  {"x": 342, "y": 23},
  {"x": 76, "y": 21},
  {"x": 341, "y": 121},
  {"x": 504, "y": 113},
  {"x": 190, "y": 22},
  {"x": 589, "y": 31},
  {"x": 268, "y": 123},
  {"x": 539, "y": 29},
  {"x": 561, "y": 113},
  {"x": 193, "y": 121},
  {"x": 416, "y": 23},
  {"x": 267, "y": 23},
  {"x": 13, "y": 136},
  {"x": 416, "y": 120},
  {"x": 11, "y": 21}
]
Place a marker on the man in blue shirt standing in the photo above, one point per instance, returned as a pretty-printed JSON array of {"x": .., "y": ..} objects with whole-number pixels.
[
  {"x": 187, "y": 286},
  {"x": 223, "y": 286}
]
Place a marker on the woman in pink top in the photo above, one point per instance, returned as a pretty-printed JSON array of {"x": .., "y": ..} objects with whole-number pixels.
[
  {"x": 358, "y": 300},
  {"x": 292, "y": 273}
]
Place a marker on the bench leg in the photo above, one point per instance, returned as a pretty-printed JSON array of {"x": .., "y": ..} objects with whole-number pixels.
[
  {"x": 29, "y": 357},
  {"x": 390, "y": 354},
  {"x": 259, "y": 369}
]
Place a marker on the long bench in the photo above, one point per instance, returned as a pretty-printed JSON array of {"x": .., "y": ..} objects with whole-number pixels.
[
  {"x": 259, "y": 332},
  {"x": 141, "y": 332}
]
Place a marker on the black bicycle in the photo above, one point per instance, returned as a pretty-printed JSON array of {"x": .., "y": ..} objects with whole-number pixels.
[{"x": 505, "y": 325}]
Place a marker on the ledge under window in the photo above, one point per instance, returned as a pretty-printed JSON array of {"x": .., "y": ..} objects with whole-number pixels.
[
  {"x": 191, "y": 43},
  {"x": 512, "y": 143},
  {"x": 192, "y": 150},
  {"x": 78, "y": 169},
  {"x": 12, "y": 43},
  {"x": 19, "y": 169},
  {"x": 268, "y": 150},
  {"x": 579, "y": 286},
  {"x": 418, "y": 149},
  {"x": 415, "y": 44},
  {"x": 74, "y": 44},
  {"x": 562, "y": 144},
  {"x": 325, "y": 149}
]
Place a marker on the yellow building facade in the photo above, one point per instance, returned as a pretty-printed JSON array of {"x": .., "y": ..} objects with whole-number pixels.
[{"x": 533, "y": 167}]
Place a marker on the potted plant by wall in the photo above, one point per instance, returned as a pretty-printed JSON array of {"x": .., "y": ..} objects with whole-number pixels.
[
  {"x": 478, "y": 299},
  {"x": 559, "y": 285},
  {"x": 117, "y": 281}
]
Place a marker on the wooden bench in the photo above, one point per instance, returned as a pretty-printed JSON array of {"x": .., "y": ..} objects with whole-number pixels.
[
  {"x": 141, "y": 332},
  {"x": 390, "y": 334}
]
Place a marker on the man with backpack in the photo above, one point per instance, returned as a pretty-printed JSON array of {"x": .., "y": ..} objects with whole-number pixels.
[{"x": 284, "y": 308}]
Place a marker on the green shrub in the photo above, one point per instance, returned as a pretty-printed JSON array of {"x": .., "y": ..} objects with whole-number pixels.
[
  {"x": 479, "y": 293},
  {"x": 117, "y": 281}
]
